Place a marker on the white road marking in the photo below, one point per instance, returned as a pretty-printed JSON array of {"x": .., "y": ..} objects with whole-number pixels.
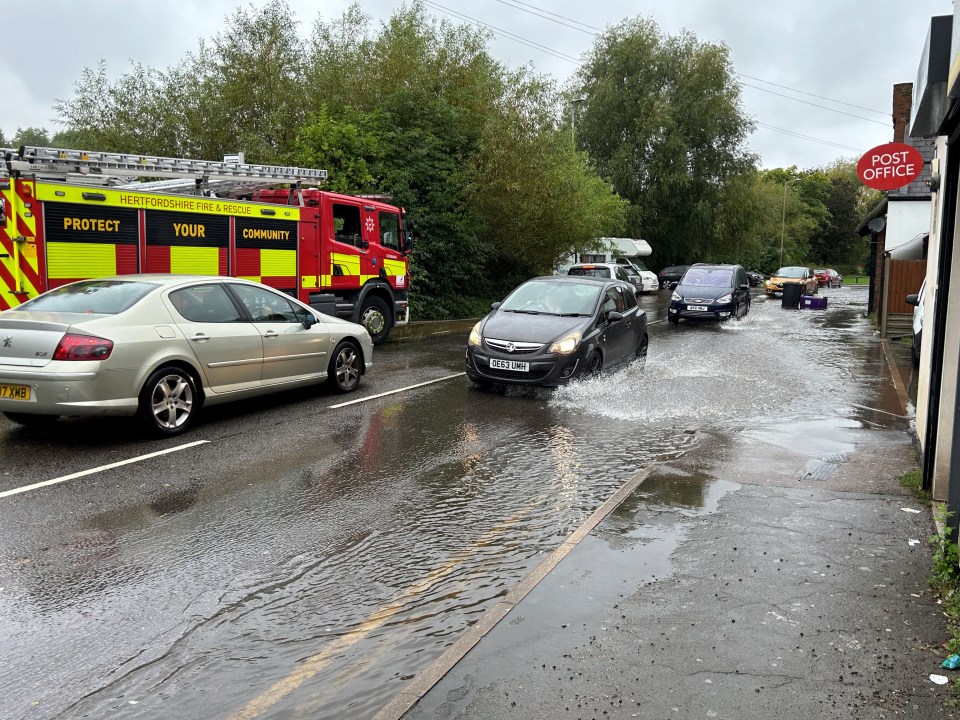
[
  {"x": 394, "y": 392},
  {"x": 91, "y": 471}
]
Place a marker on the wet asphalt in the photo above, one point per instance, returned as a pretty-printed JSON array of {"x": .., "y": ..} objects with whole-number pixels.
[
  {"x": 309, "y": 562},
  {"x": 773, "y": 570}
]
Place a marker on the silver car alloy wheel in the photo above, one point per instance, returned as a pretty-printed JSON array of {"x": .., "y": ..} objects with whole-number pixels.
[
  {"x": 348, "y": 367},
  {"x": 171, "y": 401}
]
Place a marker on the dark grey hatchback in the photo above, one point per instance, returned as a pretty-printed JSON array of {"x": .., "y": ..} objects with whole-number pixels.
[
  {"x": 555, "y": 328},
  {"x": 714, "y": 292}
]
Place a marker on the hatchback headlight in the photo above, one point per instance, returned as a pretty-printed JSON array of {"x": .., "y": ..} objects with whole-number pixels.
[
  {"x": 676, "y": 296},
  {"x": 567, "y": 344},
  {"x": 725, "y": 299},
  {"x": 475, "y": 338}
]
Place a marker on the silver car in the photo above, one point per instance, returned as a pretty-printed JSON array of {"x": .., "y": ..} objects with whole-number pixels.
[{"x": 162, "y": 346}]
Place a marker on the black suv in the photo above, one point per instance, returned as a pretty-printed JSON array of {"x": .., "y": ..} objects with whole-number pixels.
[{"x": 710, "y": 292}]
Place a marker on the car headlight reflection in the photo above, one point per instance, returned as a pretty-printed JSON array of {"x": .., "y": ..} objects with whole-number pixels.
[
  {"x": 676, "y": 296},
  {"x": 475, "y": 338},
  {"x": 725, "y": 299},
  {"x": 567, "y": 344}
]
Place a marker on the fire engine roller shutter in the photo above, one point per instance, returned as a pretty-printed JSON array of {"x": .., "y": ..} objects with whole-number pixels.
[
  {"x": 267, "y": 252},
  {"x": 88, "y": 241},
  {"x": 188, "y": 243}
]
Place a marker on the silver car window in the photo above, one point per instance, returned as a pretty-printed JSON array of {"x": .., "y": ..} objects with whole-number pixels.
[
  {"x": 266, "y": 306},
  {"x": 205, "y": 303},
  {"x": 98, "y": 297}
]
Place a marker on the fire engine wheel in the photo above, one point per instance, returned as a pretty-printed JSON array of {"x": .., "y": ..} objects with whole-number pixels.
[
  {"x": 345, "y": 368},
  {"x": 169, "y": 401},
  {"x": 375, "y": 317}
]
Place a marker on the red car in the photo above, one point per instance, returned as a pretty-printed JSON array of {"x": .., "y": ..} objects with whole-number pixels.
[{"x": 828, "y": 277}]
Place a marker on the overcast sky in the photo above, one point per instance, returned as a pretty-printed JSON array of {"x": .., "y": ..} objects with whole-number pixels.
[{"x": 841, "y": 54}]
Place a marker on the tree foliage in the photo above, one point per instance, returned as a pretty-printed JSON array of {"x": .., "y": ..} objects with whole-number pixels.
[
  {"x": 482, "y": 157},
  {"x": 662, "y": 119}
]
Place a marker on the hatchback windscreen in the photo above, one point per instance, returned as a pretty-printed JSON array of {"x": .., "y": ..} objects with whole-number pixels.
[
  {"x": 552, "y": 298},
  {"x": 708, "y": 277},
  {"x": 791, "y": 272},
  {"x": 97, "y": 297}
]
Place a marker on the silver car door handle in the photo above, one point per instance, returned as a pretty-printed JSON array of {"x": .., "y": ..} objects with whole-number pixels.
[
  {"x": 200, "y": 337},
  {"x": 271, "y": 334}
]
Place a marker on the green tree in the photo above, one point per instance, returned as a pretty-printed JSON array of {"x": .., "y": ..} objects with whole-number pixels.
[
  {"x": 837, "y": 242},
  {"x": 349, "y": 149},
  {"x": 748, "y": 223},
  {"x": 414, "y": 108},
  {"x": 662, "y": 119},
  {"x": 36, "y": 136},
  {"x": 258, "y": 71}
]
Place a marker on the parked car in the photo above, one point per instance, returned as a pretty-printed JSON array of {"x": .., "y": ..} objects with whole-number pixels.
[
  {"x": 608, "y": 270},
  {"x": 650, "y": 280},
  {"x": 792, "y": 274},
  {"x": 163, "y": 346},
  {"x": 916, "y": 299},
  {"x": 550, "y": 330},
  {"x": 714, "y": 292},
  {"x": 828, "y": 277},
  {"x": 671, "y": 274},
  {"x": 755, "y": 278}
]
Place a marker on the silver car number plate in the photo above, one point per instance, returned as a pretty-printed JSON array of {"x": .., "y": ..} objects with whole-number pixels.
[
  {"x": 514, "y": 365},
  {"x": 701, "y": 308}
]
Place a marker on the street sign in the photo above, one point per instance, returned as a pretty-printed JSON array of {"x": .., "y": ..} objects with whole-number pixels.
[{"x": 890, "y": 166}]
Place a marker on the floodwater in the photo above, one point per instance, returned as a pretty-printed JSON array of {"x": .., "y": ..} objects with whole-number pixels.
[{"x": 317, "y": 582}]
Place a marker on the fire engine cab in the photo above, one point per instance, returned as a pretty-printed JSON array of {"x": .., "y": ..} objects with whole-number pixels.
[{"x": 73, "y": 214}]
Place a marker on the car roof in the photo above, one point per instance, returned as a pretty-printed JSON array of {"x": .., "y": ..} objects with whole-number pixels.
[
  {"x": 581, "y": 280},
  {"x": 724, "y": 266},
  {"x": 575, "y": 279},
  {"x": 171, "y": 279}
]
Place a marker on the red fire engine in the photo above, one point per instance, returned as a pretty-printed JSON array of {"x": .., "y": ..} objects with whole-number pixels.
[{"x": 72, "y": 214}]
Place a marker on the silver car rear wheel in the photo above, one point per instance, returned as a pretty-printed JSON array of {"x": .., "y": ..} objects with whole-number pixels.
[{"x": 168, "y": 401}]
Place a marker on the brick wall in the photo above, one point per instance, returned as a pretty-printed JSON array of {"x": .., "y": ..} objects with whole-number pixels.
[{"x": 902, "y": 103}]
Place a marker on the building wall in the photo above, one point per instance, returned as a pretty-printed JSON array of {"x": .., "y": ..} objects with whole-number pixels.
[
  {"x": 902, "y": 104},
  {"x": 944, "y": 441},
  {"x": 951, "y": 360},
  {"x": 905, "y": 220}
]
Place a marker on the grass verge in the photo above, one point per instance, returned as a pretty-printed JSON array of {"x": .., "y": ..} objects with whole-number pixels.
[{"x": 944, "y": 577}]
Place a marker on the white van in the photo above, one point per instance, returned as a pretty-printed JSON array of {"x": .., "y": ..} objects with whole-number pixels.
[{"x": 622, "y": 251}]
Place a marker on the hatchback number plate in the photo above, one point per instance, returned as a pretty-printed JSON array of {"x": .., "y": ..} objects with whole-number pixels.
[
  {"x": 701, "y": 308},
  {"x": 14, "y": 392},
  {"x": 514, "y": 365}
]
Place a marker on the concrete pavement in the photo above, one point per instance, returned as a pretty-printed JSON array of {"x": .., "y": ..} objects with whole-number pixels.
[{"x": 769, "y": 572}]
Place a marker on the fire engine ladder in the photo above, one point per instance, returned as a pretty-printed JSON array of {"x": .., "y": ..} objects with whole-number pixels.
[{"x": 104, "y": 168}]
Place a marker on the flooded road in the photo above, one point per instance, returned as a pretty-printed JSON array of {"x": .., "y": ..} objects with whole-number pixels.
[{"x": 309, "y": 561}]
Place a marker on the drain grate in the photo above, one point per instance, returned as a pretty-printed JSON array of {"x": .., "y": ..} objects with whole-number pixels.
[{"x": 819, "y": 470}]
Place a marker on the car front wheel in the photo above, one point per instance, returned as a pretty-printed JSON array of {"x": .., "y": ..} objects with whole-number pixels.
[
  {"x": 594, "y": 364},
  {"x": 346, "y": 366}
]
